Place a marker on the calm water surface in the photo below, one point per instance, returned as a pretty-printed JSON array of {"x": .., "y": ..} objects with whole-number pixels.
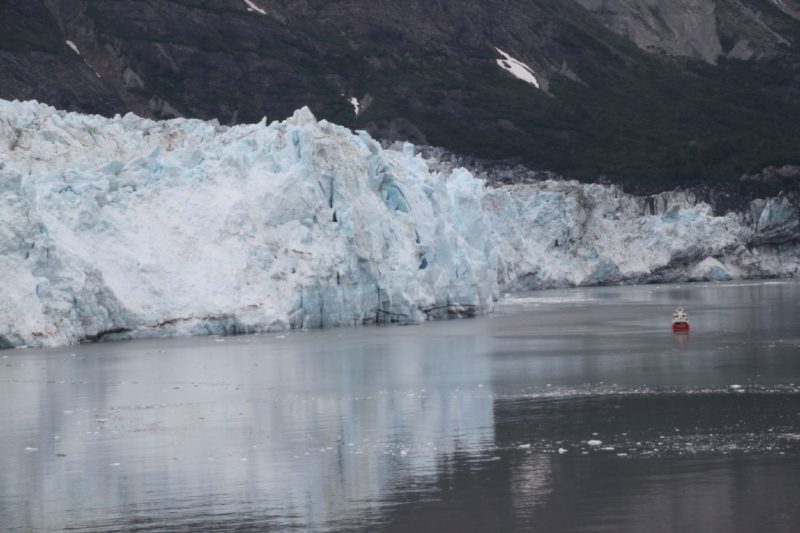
[{"x": 574, "y": 410}]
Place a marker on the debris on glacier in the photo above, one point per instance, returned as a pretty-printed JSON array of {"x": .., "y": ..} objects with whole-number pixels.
[{"x": 127, "y": 227}]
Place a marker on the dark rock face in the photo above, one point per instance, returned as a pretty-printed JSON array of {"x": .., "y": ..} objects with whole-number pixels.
[
  {"x": 706, "y": 93},
  {"x": 703, "y": 29}
]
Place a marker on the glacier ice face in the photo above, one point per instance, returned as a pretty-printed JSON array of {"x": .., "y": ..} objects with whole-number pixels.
[
  {"x": 776, "y": 220},
  {"x": 126, "y": 227},
  {"x": 565, "y": 234},
  {"x": 131, "y": 227}
]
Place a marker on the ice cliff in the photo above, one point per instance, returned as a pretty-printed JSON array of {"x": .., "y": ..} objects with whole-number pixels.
[
  {"x": 126, "y": 227},
  {"x": 560, "y": 233}
]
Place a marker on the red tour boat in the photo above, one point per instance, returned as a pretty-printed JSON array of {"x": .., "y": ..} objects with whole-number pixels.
[{"x": 680, "y": 321}]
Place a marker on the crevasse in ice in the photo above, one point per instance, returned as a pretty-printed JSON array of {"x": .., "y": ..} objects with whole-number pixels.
[{"x": 127, "y": 227}]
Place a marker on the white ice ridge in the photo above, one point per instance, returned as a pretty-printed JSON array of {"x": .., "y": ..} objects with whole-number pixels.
[
  {"x": 253, "y": 7},
  {"x": 517, "y": 68},
  {"x": 127, "y": 227}
]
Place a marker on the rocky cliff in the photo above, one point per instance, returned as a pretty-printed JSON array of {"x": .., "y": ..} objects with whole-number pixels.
[{"x": 704, "y": 29}]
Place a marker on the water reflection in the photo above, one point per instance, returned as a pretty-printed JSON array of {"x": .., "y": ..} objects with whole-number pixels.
[
  {"x": 680, "y": 340},
  {"x": 531, "y": 483},
  {"x": 453, "y": 425},
  {"x": 311, "y": 436}
]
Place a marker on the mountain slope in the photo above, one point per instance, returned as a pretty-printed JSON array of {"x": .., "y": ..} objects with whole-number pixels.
[{"x": 647, "y": 93}]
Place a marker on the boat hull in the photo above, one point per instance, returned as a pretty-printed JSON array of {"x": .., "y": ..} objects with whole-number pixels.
[{"x": 680, "y": 327}]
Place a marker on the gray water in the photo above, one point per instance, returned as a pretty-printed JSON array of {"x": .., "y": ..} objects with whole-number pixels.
[{"x": 470, "y": 425}]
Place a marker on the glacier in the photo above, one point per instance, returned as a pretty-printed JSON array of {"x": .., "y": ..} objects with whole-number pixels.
[{"x": 126, "y": 227}]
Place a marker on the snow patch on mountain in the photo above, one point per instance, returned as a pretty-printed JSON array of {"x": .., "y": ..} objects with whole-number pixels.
[
  {"x": 75, "y": 49},
  {"x": 127, "y": 227},
  {"x": 72, "y": 45},
  {"x": 252, "y": 7},
  {"x": 517, "y": 68},
  {"x": 356, "y": 106}
]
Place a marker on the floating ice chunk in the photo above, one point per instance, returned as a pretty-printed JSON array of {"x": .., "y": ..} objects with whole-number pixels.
[
  {"x": 29, "y": 449},
  {"x": 735, "y": 387},
  {"x": 562, "y": 451},
  {"x": 114, "y": 464},
  {"x": 524, "y": 446},
  {"x": 594, "y": 442},
  {"x": 517, "y": 68}
]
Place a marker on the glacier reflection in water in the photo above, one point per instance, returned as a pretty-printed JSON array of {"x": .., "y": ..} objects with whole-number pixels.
[
  {"x": 472, "y": 425},
  {"x": 309, "y": 428}
]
